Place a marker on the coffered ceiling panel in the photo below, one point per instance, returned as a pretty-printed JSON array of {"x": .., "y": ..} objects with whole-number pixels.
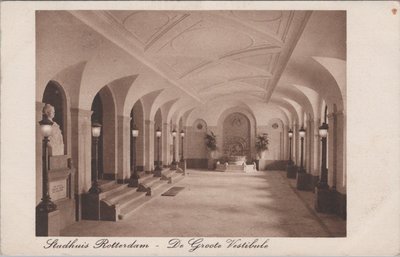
[
  {"x": 262, "y": 61},
  {"x": 272, "y": 22},
  {"x": 208, "y": 53}
]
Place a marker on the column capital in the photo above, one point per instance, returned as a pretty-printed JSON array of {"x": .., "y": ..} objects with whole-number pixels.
[{"x": 148, "y": 122}]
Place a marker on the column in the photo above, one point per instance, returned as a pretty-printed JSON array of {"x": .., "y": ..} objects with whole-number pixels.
[
  {"x": 123, "y": 149},
  {"x": 149, "y": 145},
  {"x": 296, "y": 145},
  {"x": 332, "y": 149},
  {"x": 165, "y": 144},
  {"x": 316, "y": 151},
  {"x": 285, "y": 142},
  {"x": 81, "y": 151}
]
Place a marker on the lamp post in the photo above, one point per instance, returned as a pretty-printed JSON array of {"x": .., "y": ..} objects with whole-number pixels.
[
  {"x": 302, "y": 134},
  {"x": 46, "y": 205},
  {"x": 96, "y": 130},
  {"x": 173, "y": 149},
  {"x": 290, "y": 169},
  {"x": 323, "y": 182},
  {"x": 134, "y": 179},
  {"x": 182, "y": 136},
  {"x": 157, "y": 170},
  {"x": 290, "y": 146},
  {"x": 325, "y": 198}
]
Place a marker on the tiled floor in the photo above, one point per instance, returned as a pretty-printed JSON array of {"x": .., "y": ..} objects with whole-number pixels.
[{"x": 216, "y": 204}]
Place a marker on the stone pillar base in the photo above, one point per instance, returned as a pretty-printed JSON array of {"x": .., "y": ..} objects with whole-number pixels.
[
  {"x": 304, "y": 181},
  {"x": 291, "y": 171},
  {"x": 211, "y": 164},
  {"x": 324, "y": 200},
  {"x": 182, "y": 167},
  {"x": 173, "y": 166},
  {"x": 90, "y": 207},
  {"x": 48, "y": 224}
]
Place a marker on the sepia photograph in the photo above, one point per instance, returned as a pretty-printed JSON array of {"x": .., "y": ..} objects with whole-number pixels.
[
  {"x": 191, "y": 123},
  {"x": 226, "y": 128}
]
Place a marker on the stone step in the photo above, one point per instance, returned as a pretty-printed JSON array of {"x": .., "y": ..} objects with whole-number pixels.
[
  {"x": 167, "y": 172},
  {"x": 157, "y": 190},
  {"x": 116, "y": 196},
  {"x": 130, "y": 199},
  {"x": 149, "y": 181},
  {"x": 130, "y": 209},
  {"x": 112, "y": 190},
  {"x": 104, "y": 184}
]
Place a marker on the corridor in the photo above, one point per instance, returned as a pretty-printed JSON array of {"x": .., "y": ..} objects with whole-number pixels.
[{"x": 214, "y": 204}]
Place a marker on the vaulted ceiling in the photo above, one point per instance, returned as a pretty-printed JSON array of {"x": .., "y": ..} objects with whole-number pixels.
[{"x": 208, "y": 54}]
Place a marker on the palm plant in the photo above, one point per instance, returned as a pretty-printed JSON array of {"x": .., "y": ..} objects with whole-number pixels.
[
  {"x": 262, "y": 142},
  {"x": 211, "y": 141}
]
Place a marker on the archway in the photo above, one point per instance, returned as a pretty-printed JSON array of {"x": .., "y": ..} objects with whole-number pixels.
[
  {"x": 236, "y": 136},
  {"x": 54, "y": 94},
  {"x": 103, "y": 108}
]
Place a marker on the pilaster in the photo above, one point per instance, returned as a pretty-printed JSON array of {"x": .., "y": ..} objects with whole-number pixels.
[
  {"x": 149, "y": 145},
  {"x": 165, "y": 144},
  {"x": 123, "y": 148}
]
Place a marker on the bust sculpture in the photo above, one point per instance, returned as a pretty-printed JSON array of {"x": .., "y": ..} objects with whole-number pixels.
[{"x": 56, "y": 143}]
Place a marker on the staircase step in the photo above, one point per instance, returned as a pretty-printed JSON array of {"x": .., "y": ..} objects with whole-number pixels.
[
  {"x": 144, "y": 176},
  {"x": 168, "y": 172},
  {"x": 104, "y": 184},
  {"x": 177, "y": 177},
  {"x": 128, "y": 210},
  {"x": 148, "y": 182},
  {"x": 117, "y": 196},
  {"x": 127, "y": 200},
  {"x": 112, "y": 190}
]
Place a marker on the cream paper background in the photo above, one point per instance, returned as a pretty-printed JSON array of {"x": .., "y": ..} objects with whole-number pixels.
[{"x": 373, "y": 132}]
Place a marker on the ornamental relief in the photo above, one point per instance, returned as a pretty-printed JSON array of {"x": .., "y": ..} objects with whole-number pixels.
[
  {"x": 236, "y": 135},
  {"x": 236, "y": 146}
]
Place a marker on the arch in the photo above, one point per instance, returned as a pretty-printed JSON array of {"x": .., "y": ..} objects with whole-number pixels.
[
  {"x": 104, "y": 112},
  {"x": 55, "y": 95},
  {"x": 236, "y": 135},
  {"x": 253, "y": 127}
]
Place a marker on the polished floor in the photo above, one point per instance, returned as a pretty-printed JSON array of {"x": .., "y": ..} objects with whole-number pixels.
[{"x": 216, "y": 204}]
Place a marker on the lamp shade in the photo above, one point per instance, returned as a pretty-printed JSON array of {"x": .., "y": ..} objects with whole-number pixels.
[
  {"x": 302, "y": 132},
  {"x": 46, "y": 126},
  {"x": 158, "y": 132},
  {"x": 290, "y": 133},
  {"x": 323, "y": 130},
  {"x": 174, "y": 133},
  {"x": 182, "y": 133},
  {"x": 96, "y": 129},
  {"x": 135, "y": 131}
]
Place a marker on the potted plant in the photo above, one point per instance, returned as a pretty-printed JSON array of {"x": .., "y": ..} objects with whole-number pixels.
[
  {"x": 211, "y": 144},
  {"x": 261, "y": 146},
  {"x": 262, "y": 143},
  {"x": 211, "y": 141}
]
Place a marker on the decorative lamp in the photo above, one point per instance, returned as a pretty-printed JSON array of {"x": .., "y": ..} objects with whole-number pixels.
[
  {"x": 182, "y": 133},
  {"x": 302, "y": 132},
  {"x": 135, "y": 131},
  {"x": 158, "y": 132},
  {"x": 290, "y": 133},
  {"x": 46, "y": 126},
  {"x": 174, "y": 133},
  {"x": 323, "y": 130},
  {"x": 96, "y": 129}
]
